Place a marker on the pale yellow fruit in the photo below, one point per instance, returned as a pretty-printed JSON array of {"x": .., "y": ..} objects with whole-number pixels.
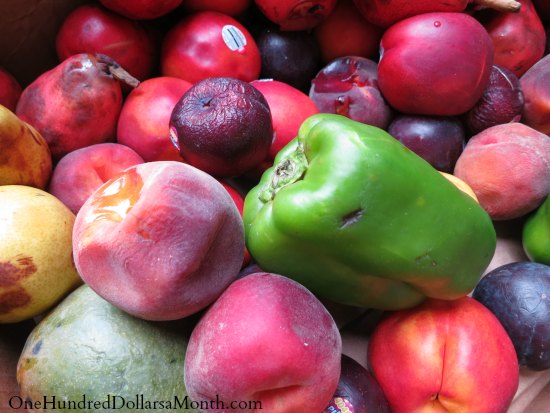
[
  {"x": 36, "y": 264},
  {"x": 25, "y": 157},
  {"x": 460, "y": 184}
]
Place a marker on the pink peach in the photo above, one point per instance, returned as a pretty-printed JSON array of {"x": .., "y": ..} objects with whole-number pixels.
[
  {"x": 79, "y": 173},
  {"x": 269, "y": 340},
  {"x": 161, "y": 240},
  {"x": 508, "y": 168}
]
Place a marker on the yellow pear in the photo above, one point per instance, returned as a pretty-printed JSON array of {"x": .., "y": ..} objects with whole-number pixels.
[
  {"x": 36, "y": 259},
  {"x": 25, "y": 157}
]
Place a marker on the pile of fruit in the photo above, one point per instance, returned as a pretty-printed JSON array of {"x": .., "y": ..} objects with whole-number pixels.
[{"x": 201, "y": 194}]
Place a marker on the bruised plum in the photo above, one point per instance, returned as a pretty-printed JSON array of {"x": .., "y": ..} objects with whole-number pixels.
[
  {"x": 222, "y": 126},
  {"x": 348, "y": 86},
  {"x": 501, "y": 102},
  {"x": 519, "y": 295}
]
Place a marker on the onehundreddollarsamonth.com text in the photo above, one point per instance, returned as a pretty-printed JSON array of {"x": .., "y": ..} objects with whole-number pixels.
[{"x": 137, "y": 402}]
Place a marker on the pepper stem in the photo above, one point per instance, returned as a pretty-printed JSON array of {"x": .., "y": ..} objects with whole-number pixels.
[{"x": 287, "y": 171}]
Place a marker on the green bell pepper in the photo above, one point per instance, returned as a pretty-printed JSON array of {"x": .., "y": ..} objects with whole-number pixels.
[
  {"x": 358, "y": 218},
  {"x": 536, "y": 234}
]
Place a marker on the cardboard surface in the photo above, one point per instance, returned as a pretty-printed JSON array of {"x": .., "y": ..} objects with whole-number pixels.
[{"x": 27, "y": 35}]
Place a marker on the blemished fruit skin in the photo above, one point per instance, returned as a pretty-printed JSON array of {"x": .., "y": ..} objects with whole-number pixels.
[
  {"x": 161, "y": 240},
  {"x": 25, "y": 155},
  {"x": 87, "y": 351},
  {"x": 36, "y": 265},
  {"x": 83, "y": 98}
]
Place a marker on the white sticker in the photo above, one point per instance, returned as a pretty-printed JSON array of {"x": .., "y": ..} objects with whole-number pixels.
[{"x": 233, "y": 37}]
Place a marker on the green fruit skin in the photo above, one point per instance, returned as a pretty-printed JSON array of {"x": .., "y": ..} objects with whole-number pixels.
[
  {"x": 536, "y": 234},
  {"x": 87, "y": 349}
]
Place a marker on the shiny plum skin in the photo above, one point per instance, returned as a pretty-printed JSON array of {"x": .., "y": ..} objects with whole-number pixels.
[
  {"x": 278, "y": 48},
  {"x": 438, "y": 140},
  {"x": 501, "y": 102},
  {"x": 359, "y": 389},
  {"x": 348, "y": 86},
  {"x": 519, "y": 295},
  {"x": 222, "y": 126}
]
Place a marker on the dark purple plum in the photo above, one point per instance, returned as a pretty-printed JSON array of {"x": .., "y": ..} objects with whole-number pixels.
[
  {"x": 292, "y": 57},
  {"x": 357, "y": 390},
  {"x": 439, "y": 140},
  {"x": 222, "y": 126},
  {"x": 501, "y": 102},
  {"x": 519, "y": 295},
  {"x": 348, "y": 86}
]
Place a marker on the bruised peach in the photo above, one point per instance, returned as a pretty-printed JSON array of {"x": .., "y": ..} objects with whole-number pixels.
[
  {"x": 161, "y": 240},
  {"x": 266, "y": 339},
  {"x": 507, "y": 167},
  {"x": 79, "y": 173}
]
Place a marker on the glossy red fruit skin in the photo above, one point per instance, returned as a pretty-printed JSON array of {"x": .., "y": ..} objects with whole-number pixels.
[
  {"x": 384, "y": 13},
  {"x": 210, "y": 44},
  {"x": 289, "y": 107},
  {"x": 141, "y": 9},
  {"x": 519, "y": 38},
  {"x": 419, "y": 56},
  {"x": 73, "y": 105},
  {"x": 145, "y": 115},
  {"x": 10, "y": 90},
  {"x": 91, "y": 28},
  {"x": 296, "y": 14},
  {"x": 345, "y": 32}
]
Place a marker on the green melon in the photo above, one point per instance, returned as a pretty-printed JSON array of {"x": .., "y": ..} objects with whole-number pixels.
[{"x": 87, "y": 355}]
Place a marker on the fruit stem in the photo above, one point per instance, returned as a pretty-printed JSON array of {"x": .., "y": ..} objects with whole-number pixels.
[
  {"x": 117, "y": 71},
  {"x": 286, "y": 172},
  {"x": 498, "y": 5}
]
